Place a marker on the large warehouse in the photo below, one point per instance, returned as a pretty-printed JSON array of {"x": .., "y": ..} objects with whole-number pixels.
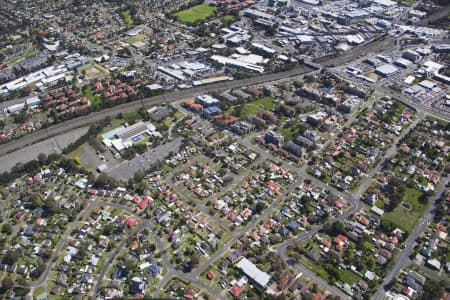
[{"x": 386, "y": 70}]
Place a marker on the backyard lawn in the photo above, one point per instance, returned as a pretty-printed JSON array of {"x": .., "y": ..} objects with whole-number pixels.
[
  {"x": 349, "y": 277},
  {"x": 96, "y": 101},
  {"x": 404, "y": 218},
  {"x": 195, "y": 13}
]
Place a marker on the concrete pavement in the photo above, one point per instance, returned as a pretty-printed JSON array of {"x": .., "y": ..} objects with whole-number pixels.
[{"x": 53, "y": 145}]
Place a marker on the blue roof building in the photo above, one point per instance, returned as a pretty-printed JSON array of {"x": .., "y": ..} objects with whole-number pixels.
[{"x": 211, "y": 111}]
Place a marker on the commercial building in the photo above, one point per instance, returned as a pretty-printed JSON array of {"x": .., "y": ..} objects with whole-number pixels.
[
  {"x": 441, "y": 48},
  {"x": 253, "y": 272},
  {"x": 172, "y": 73},
  {"x": 125, "y": 136},
  {"x": 256, "y": 14},
  {"x": 385, "y": 3},
  {"x": 404, "y": 63},
  {"x": 263, "y": 49},
  {"x": 206, "y": 100},
  {"x": 412, "y": 55},
  {"x": 232, "y": 62},
  {"x": 386, "y": 70}
]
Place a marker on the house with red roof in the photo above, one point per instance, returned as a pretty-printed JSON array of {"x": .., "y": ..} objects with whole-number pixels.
[
  {"x": 131, "y": 222},
  {"x": 236, "y": 290},
  {"x": 340, "y": 242},
  {"x": 363, "y": 220},
  {"x": 144, "y": 203},
  {"x": 189, "y": 294},
  {"x": 211, "y": 275},
  {"x": 274, "y": 187},
  {"x": 326, "y": 243},
  {"x": 134, "y": 245}
]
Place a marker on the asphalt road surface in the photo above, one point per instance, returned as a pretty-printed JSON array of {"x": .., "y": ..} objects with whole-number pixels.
[{"x": 126, "y": 169}]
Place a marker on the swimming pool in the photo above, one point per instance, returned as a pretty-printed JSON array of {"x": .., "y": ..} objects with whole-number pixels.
[{"x": 113, "y": 132}]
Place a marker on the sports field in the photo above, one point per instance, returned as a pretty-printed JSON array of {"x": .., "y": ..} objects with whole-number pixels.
[{"x": 195, "y": 13}]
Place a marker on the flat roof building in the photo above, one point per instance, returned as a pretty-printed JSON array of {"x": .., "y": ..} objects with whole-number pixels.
[
  {"x": 253, "y": 272},
  {"x": 386, "y": 70},
  {"x": 402, "y": 62}
]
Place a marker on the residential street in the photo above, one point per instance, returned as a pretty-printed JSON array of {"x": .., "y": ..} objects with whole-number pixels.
[{"x": 402, "y": 259}]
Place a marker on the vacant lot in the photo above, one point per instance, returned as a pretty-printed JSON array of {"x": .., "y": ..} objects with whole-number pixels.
[
  {"x": 138, "y": 38},
  {"x": 252, "y": 108},
  {"x": 93, "y": 71},
  {"x": 404, "y": 218},
  {"x": 195, "y": 13}
]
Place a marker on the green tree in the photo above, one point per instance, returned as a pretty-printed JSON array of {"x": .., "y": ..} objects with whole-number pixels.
[
  {"x": 11, "y": 257},
  {"x": 6, "y": 229},
  {"x": 433, "y": 290},
  {"x": 50, "y": 206},
  {"x": 138, "y": 176},
  {"x": 7, "y": 283}
]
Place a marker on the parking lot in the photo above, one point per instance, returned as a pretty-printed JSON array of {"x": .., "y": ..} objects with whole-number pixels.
[{"x": 126, "y": 169}]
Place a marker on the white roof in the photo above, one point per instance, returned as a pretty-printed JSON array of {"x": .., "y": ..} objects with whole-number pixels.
[
  {"x": 432, "y": 67},
  {"x": 377, "y": 210},
  {"x": 427, "y": 84},
  {"x": 237, "y": 63},
  {"x": 409, "y": 79},
  {"x": 385, "y": 2},
  {"x": 118, "y": 145},
  {"x": 387, "y": 69},
  {"x": 252, "y": 271}
]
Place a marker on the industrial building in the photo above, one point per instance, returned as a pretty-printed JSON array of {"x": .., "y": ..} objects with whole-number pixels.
[
  {"x": 253, "y": 272},
  {"x": 386, "y": 70},
  {"x": 232, "y": 62},
  {"x": 30, "y": 102},
  {"x": 412, "y": 55},
  {"x": 402, "y": 62}
]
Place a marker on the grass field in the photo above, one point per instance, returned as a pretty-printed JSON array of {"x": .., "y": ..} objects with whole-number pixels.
[
  {"x": 195, "y": 13},
  {"x": 138, "y": 38},
  {"x": 125, "y": 14},
  {"x": 407, "y": 219},
  {"x": 254, "y": 107},
  {"x": 228, "y": 18},
  {"x": 27, "y": 54},
  {"x": 93, "y": 71}
]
